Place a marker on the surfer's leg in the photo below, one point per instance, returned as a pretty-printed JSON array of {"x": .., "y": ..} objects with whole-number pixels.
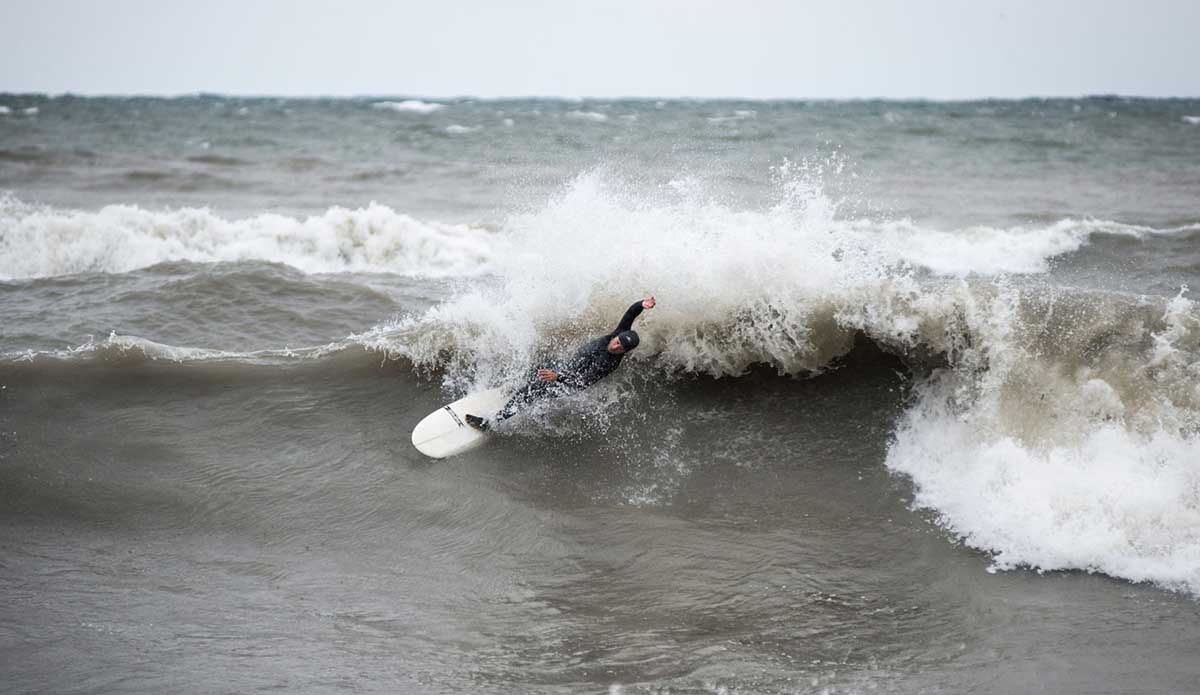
[
  {"x": 509, "y": 408},
  {"x": 535, "y": 389}
]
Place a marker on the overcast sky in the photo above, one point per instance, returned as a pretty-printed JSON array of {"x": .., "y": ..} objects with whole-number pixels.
[{"x": 939, "y": 49}]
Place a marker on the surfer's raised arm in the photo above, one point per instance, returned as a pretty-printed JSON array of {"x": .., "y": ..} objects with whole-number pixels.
[{"x": 633, "y": 312}]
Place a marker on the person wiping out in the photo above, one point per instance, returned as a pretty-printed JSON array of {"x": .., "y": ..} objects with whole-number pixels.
[{"x": 592, "y": 362}]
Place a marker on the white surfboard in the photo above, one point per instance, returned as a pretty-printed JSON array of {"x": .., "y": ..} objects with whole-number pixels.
[{"x": 445, "y": 431}]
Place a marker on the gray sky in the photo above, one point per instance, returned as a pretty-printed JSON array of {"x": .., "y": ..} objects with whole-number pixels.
[{"x": 940, "y": 49}]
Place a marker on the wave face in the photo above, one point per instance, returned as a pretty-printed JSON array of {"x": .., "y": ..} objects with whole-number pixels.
[
  {"x": 44, "y": 242},
  {"x": 1053, "y": 428}
]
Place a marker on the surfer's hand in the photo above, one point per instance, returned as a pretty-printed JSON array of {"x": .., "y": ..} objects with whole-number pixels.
[
  {"x": 648, "y": 303},
  {"x": 547, "y": 375}
]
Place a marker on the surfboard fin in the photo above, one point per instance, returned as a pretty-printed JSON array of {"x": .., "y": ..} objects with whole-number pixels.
[{"x": 477, "y": 422}]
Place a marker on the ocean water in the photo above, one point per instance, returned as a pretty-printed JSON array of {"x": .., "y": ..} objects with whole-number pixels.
[{"x": 918, "y": 409}]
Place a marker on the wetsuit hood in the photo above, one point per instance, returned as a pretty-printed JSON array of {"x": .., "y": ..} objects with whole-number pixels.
[{"x": 629, "y": 339}]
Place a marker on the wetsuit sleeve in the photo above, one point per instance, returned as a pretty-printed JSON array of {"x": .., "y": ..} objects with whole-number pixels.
[
  {"x": 571, "y": 379},
  {"x": 630, "y": 314}
]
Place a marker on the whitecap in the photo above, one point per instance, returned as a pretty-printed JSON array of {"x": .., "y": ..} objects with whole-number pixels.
[
  {"x": 594, "y": 116},
  {"x": 409, "y": 106},
  {"x": 737, "y": 115}
]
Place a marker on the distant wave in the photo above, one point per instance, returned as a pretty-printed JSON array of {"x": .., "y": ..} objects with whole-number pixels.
[
  {"x": 737, "y": 115},
  {"x": 44, "y": 242},
  {"x": 594, "y": 116},
  {"x": 409, "y": 106},
  {"x": 986, "y": 250},
  {"x": 123, "y": 350}
]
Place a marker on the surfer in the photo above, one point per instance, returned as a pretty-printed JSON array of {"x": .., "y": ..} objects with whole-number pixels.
[{"x": 592, "y": 362}]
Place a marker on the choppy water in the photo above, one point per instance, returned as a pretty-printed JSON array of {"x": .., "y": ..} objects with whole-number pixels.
[{"x": 918, "y": 411}]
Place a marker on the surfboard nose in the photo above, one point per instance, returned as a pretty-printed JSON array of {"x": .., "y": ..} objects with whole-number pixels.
[{"x": 445, "y": 432}]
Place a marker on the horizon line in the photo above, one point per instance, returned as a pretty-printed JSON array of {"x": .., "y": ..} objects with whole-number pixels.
[{"x": 565, "y": 98}]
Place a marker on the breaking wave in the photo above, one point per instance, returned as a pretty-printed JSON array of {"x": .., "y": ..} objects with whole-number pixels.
[
  {"x": 1052, "y": 428},
  {"x": 43, "y": 242}
]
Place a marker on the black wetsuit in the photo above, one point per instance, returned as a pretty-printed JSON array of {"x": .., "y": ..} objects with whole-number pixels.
[{"x": 590, "y": 363}]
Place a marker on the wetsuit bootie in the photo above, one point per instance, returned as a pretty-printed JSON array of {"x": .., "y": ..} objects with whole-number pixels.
[{"x": 477, "y": 422}]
